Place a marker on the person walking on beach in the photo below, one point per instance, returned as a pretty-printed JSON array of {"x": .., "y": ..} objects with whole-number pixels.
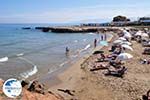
[{"x": 95, "y": 43}]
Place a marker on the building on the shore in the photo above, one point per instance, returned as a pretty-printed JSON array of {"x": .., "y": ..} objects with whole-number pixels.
[
  {"x": 120, "y": 23},
  {"x": 96, "y": 24},
  {"x": 144, "y": 21}
]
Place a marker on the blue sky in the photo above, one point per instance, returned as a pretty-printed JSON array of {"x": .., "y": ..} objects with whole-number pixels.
[{"x": 63, "y": 11}]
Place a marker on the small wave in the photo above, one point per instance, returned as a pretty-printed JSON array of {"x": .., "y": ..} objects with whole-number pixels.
[
  {"x": 29, "y": 73},
  {"x": 74, "y": 56},
  {"x": 88, "y": 46},
  {"x": 62, "y": 64},
  {"x": 91, "y": 33},
  {"x": 4, "y": 59},
  {"x": 75, "y": 41},
  {"x": 84, "y": 49},
  {"x": 20, "y": 54},
  {"x": 84, "y": 40}
]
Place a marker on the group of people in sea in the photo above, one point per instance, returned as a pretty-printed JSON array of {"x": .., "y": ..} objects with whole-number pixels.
[{"x": 103, "y": 37}]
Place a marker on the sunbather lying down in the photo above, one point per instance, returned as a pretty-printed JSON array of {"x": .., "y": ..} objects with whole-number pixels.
[
  {"x": 117, "y": 72},
  {"x": 145, "y": 61},
  {"x": 99, "y": 66},
  {"x": 147, "y": 96}
]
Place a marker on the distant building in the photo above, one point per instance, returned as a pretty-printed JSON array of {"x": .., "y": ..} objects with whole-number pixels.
[
  {"x": 120, "y": 23},
  {"x": 144, "y": 21}
]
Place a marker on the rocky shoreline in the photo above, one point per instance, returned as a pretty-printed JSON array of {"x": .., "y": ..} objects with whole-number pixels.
[{"x": 33, "y": 91}]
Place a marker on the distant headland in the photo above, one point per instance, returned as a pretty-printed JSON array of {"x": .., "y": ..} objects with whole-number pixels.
[{"x": 118, "y": 21}]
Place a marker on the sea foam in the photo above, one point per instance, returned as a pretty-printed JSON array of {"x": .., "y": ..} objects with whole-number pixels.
[{"x": 4, "y": 59}]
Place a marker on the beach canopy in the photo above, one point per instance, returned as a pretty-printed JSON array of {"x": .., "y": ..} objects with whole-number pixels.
[
  {"x": 127, "y": 47},
  {"x": 124, "y": 56},
  {"x": 98, "y": 52}
]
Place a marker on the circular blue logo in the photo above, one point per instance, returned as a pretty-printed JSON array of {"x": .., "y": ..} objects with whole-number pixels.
[{"x": 12, "y": 88}]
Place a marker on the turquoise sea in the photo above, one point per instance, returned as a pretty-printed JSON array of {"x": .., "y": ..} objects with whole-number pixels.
[{"x": 24, "y": 53}]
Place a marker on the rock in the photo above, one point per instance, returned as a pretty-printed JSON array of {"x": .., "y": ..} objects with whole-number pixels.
[
  {"x": 30, "y": 95},
  {"x": 36, "y": 87},
  {"x": 24, "y": 83},
  {"x": 26, "y": 28}
]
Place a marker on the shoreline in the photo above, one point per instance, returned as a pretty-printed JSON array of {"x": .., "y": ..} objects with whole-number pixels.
[{"x": 67, "y": 78}]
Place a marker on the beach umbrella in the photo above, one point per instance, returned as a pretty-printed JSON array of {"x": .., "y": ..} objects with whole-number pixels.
[
  {"x": 144, "y": 35},
  {"x": 126, "y": 42},
  {"x": 138, "y": 33},
  {"x": 117, "y": 41},
  {"x": 125, "y": 32},
  {"x": 98, "y": 52},
  {"x": 127, "y": 47},
  {"x": 122, "y": 38},
  {"x": 124, "y": 56},
  {"x": 127, "y": 35}
]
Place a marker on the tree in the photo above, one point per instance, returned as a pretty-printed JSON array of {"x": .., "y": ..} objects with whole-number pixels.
[{"x": 120, "y": 18}]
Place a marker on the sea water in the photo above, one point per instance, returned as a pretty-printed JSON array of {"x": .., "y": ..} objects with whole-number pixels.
[{"x": 24, "y": 53}]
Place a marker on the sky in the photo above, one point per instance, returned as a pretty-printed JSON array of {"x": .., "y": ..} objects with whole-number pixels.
[{"x": 65, "y": 11}]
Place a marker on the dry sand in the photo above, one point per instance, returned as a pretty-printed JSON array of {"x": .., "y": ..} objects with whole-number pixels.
[{"x": 95, "y": 86}]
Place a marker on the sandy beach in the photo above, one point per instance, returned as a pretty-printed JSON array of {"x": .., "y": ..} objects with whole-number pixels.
[{"x": 88, "y": 85}]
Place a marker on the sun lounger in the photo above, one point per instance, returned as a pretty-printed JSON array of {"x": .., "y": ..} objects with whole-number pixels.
[
  {"x": 115, "y": 64},
  {"x": 117, "y": 73},
  {"x": 146, "y": 51},
  {"x": 99, "y": 67},
  {"x": 66, "y": 91},
  {"x": 147, "y": 96}
]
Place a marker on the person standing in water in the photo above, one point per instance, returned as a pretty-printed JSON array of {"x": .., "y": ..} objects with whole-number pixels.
[
  {"x": 67, "y": 51},
  {"x": 105, "y": 36},
  {"x": 102, "y": 38},
  {"x": 95, "y": 43}
]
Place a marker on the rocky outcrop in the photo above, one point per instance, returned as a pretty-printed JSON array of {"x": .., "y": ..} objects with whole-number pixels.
[
  {"x": 74, "y": 29},
  {"x": 36, "y": 91},
  {"x": 26, "y": 28}
]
